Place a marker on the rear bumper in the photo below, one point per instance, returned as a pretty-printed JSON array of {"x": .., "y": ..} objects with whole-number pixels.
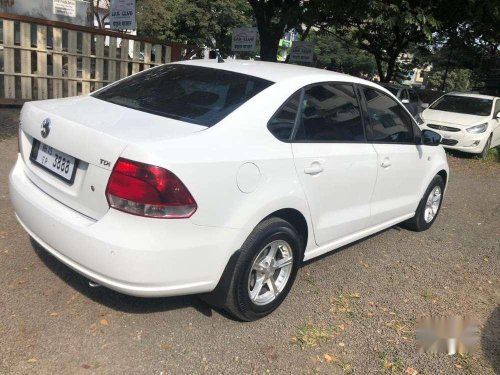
[{"x": 130, "y": 254}]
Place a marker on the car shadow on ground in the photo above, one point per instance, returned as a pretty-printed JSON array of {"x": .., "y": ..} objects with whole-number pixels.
[
  {"x": 114, "y": 300},
  {"x": 349, "y": 245},
  {"x": 490, "y": 340},
  {"x": 137, "y": 305},
  {"x": 493, "y": 154}
]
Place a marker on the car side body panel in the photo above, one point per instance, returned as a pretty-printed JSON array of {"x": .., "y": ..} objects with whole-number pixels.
[{"x": 238, "y": 174}]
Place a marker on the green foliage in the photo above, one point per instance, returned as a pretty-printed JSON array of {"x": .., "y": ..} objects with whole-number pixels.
[
  {"x": 195, "y": 22},
  {"x": 330, "y": 49},
  {"x": 457, "y": 79},
  {"x": 384, "y": 29}
]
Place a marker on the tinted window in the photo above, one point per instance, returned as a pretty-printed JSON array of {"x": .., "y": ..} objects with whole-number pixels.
[
  {"x": 393, "y": 90},
  {"x": 413, "y": 96},
  {"x": 193, "y": 94},
  {"x": 497, "y": 107},
  {"x": 330, "y": 113},
  {"x": 463, "y": 104},
  {"x": 388, "y": 119},
  {"x": 281, "y": 125}
]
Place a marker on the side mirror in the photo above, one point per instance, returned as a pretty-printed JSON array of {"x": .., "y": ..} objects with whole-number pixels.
[
  {"x": 425, "y": 105},
  {"x": 497, "y": 115},
  {"x": 405, "y": 101},
  {"x": 430, "y": 138}
]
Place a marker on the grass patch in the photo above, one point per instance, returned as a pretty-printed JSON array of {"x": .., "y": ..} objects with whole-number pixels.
[
  {"x": 346, "y": 368},
  {"x": 428, "y": 295},
  {"x": 310, "y": 335},
  {"x": 493, "y": 155},
  {"x": 464, "y": 362},
  {"x": 390, "y": 363},
  {"x": 402, "y": 328},
  {"x": 346, "y": 304}
]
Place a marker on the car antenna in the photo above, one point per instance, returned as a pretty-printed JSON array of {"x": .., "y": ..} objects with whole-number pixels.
[{"x": 219, "y": 57}]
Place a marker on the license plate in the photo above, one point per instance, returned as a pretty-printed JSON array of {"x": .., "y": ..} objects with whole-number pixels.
[{"x": 56, "y": 162}]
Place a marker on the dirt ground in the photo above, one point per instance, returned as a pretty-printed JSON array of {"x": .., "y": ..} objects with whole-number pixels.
[{"x": 352, "y": 311}]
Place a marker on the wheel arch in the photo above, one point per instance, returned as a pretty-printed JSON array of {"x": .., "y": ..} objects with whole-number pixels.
[
  {"x": 297, "y": 220},
  {"x": 444, "y": 175}
]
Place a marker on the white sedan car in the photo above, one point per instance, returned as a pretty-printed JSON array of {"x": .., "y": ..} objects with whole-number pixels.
[
  {"x": 467, "y": 122},
  {"x": 220, "y": 178}
]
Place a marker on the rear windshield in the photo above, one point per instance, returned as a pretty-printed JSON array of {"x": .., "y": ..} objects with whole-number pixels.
[
  {"x": 463, "y": 104},
  {"x": 193, "y": 94}
]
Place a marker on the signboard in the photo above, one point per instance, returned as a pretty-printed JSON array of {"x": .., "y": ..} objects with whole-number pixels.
[
  {"x": 244, "y": 39},
  {"x": 64, "y": 8},
  {"x": 122, "y": 15},
  {"x": 302, "y": 52}
]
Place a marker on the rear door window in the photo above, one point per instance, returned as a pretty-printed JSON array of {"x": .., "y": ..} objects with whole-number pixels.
[
  {"x": 282, "y": 123},
  {"x": 389, "y": 121},
  {"x": 330, "y": 113},
  {"x": 193, "y": 94}
]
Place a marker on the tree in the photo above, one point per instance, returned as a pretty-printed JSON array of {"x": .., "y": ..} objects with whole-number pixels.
[
  {"x": 95, "y": 8},
  {"x": 468, "y": 38},
  {"x": 274, "y": 18},
  {"x": 194, "y": 22},
  {"x": 385, "y": 29},
  {"x": 347, "y": 59},
  {"x": 457, "y": 80}
]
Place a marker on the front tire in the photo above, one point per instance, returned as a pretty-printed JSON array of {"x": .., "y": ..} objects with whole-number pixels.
[
  {"x": 486, "y": 148},
  {"x": 428, "y": 208},
  {"x": 265, "y": 270}
]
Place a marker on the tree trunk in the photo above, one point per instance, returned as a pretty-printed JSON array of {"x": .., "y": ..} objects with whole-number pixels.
[
  {"x": 305, "y": 34},
  {"x": 269, "y": 33},
  {"x": 445, "y": 75},
  {"x": 379, "y": 68},
  {"x": 391, "y": 65},
  {"x": 268, "y": 47}
]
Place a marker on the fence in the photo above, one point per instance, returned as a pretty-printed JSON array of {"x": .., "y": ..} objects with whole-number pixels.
[{"x": 41, "y": 59}]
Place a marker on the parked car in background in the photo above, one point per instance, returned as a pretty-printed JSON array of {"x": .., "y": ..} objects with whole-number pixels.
[
  {"x": 467, "y": 122},
  {"x": 407, "y": 95},
  {"x": 220, "y": 178}
]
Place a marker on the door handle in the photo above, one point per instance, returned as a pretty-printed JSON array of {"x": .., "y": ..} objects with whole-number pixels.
[
  {"x": 314, "y": 169},
  {"x": 386, "y": 163}
]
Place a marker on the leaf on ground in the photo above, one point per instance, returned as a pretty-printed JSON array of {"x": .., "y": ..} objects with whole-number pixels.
[
  {"x": 54, "y": 314},
  {"x": 458, "y": 366},
  {"x": 32, "y": 360},
  {"x": 329, "y": 358},
  {"x": 86, "y": 366},
  {"x": 104, "y": 322},
  {"x": 411, "y": 371}
]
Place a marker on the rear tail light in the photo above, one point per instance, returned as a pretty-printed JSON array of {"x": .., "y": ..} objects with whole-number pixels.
[{"x": 146, "y": 190}]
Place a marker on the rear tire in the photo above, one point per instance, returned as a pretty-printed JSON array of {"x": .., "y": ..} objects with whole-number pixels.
[
  {"x": 261, "y": 280},
  {"x": 428, "y": 208}
]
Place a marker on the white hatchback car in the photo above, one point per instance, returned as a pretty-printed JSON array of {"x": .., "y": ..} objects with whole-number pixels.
[
  {"x": 220, "y": 178},
  {"x": 467, "y": 122}
]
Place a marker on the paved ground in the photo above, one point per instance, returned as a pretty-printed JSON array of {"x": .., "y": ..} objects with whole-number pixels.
[{"x": 353, "y": 311}]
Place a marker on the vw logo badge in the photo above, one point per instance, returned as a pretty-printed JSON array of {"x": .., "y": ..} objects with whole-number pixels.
[{"x": 45, "y": 128}]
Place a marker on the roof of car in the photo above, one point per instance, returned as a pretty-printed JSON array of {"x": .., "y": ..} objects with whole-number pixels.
[
  {"x": 471, "y": 95},
  {"x": 270, "y": 71}
]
